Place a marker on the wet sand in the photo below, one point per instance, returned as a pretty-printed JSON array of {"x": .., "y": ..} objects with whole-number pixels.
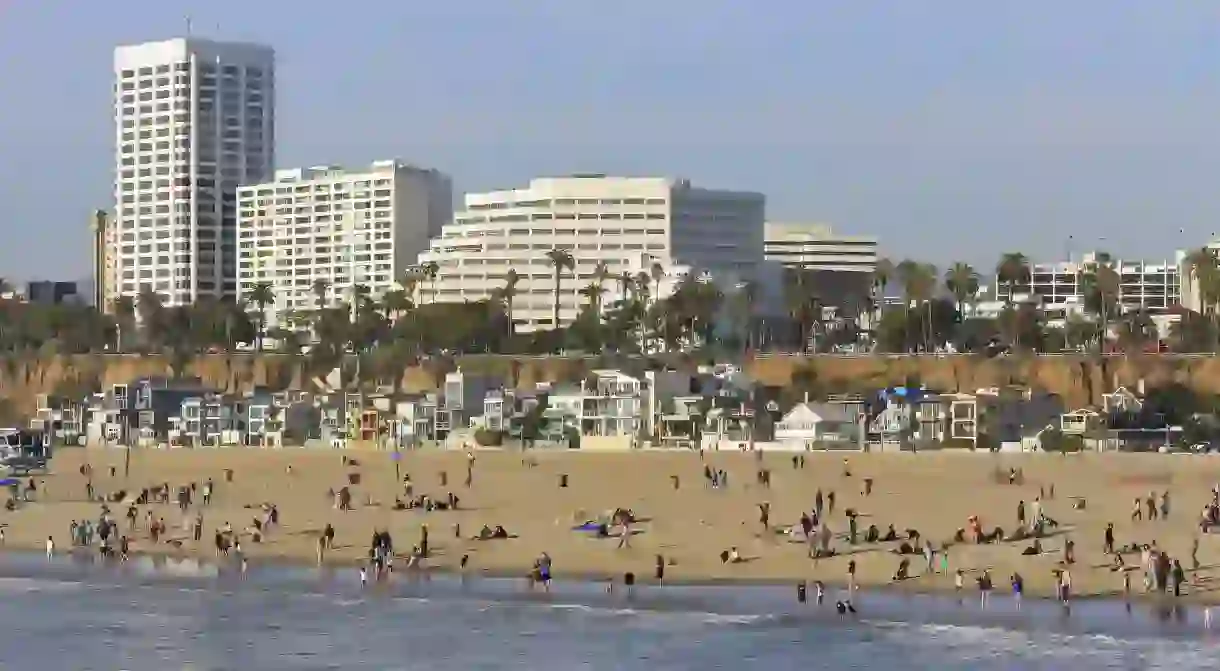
[{"x": 690, "y": 525}]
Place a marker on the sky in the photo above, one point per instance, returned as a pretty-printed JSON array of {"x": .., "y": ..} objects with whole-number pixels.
[{"x": 951, "y": 129}]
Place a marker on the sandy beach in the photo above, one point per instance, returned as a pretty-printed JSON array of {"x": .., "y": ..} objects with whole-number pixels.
[{"x": 689, "y": 525}]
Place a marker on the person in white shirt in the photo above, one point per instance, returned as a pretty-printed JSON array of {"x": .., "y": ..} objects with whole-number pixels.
[{"x": 50, "y": 547}]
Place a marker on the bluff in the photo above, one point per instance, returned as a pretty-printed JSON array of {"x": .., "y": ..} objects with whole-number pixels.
[{"x": 1079, "y": 379}]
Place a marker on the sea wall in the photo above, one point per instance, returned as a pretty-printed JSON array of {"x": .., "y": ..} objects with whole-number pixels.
[{"x": 1079, "y": 379}]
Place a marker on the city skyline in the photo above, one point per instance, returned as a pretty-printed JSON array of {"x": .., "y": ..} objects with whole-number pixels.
[{"x": 996, "y": 128}]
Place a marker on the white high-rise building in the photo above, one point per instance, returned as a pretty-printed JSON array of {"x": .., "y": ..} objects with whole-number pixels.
[
  {"x": 627, "y": 223},
  {"x": 193, "y": 120},
  {"x": 340, "y": 227}
]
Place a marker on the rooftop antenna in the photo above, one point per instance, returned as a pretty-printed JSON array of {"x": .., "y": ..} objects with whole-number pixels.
[{"x": 188, "y": 25}]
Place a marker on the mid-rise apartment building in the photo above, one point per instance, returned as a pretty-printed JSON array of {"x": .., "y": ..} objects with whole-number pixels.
[
  {"x": 813, "y": 246},
  {"x": 193, "y": 120},
  {"x": 1153, "y": 286},
  {"x": 842, "y": 265},
  {"x": 337, "y": 227},
  {"x": 627, "y": 223}
]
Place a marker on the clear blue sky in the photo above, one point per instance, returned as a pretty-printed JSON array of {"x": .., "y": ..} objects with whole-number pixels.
[{"x": 953, "y": 129}]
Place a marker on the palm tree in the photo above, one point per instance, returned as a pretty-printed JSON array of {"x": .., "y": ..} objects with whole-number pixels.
[
  {"x": 918, "y": 288},
  {"x": 428, "y": 272},
  {"x": 560, "y": 260},
  {"x": 1101, "y": 285},
  {"x": 1013, "y": 269},
  {"x": 150, "y": 307},
  {"x": 593, "y": 293},
  {"x": 395, "y": 302},
  {"x": 626, "y": 282},
  {"x": 320, "y": 287},
  {"x": 1203, "y": 267},
  {"x": 963, "y": 283},
  {"x": 804, "y": 305},
  {"x": 640, "y": 290},
  {"x": 882, "y": 274},
  {"x": 508, "y": 293},
  {"x": 410, "y": 282},
  {"x": 124, "y": 309},
  {"x": 261, "y": 295}
]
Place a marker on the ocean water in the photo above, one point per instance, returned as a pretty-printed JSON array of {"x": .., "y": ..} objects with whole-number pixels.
[{"x": 64, "y": 614}]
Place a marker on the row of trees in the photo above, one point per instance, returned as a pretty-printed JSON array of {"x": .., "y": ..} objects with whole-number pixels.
[
  {"x": 934, "y": 313},
  {"x": 935, "y": 310}
]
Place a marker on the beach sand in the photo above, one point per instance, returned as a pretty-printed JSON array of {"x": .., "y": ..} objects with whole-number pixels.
[{"x": 690, "y": 526}]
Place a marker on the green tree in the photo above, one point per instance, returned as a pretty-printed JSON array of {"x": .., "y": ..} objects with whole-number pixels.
[
  {"x": 1100, "y": 285},
  {"x": 560, "y": 260},
  {"x": 261, "y": 295},
  {"x": 962, "y": 281},
  {"x": 1012, "y": 271}
]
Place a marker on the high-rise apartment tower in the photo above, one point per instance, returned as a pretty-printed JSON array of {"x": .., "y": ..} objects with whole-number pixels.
[{"x": 194, "y": 119}]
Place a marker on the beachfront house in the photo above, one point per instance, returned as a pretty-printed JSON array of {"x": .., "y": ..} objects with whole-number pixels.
[
  {"x": 147, "y": 405},
  {"x": 808, "y": 426},
  {"x": 610, "y": 408},
  {"x": 1001, "y": 418},
  {"x": 680, "y": 422},
  {"x": 61, "y": 418},
  {"x": 908, "y": 418},
  {"x": 1081, "y": 421}
]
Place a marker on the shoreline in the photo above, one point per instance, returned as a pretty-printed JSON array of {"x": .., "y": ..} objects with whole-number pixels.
[
  {"x": 742, "y": 603},
  {"x": 833, "y": 589}
]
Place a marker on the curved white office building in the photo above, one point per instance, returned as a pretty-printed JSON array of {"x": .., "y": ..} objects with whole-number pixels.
[{"x": 628, "y": 223}]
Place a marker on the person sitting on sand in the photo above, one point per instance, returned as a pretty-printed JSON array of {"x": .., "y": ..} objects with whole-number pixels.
[
  {"x": 890, "y": 534},
  {"x": 731, "y": 556},
  {"x": 872, "y": 535},
  {"x": 904, "y": 570},
  {"x": 1033, "y": 550}
]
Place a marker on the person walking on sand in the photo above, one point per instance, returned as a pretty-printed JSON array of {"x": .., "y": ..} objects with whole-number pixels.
[
  {"x": 959, "y": 583},
  {"x": 50, "y": 547},
  {"x": 818, "y": 502},
  {"x": 1021, "y": 513},
  {"x": 985, "y": 584},
  {"x": 1107, "y": 544},
  {"x": 1177, "y": 577},
  {"x": 764, "y": 516},
  {"x": 851, "y": 578},
  {"x": 1165, "y": 505},
  {"x": 929, "y": 555},
  {"x": 1151, "y": 504},
  {"x": 1137, "y": 511},
  {"x": 1194, "y": 553}
]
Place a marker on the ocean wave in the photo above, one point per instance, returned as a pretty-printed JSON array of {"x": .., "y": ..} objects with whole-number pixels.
[{"x": 978, "y": 644}]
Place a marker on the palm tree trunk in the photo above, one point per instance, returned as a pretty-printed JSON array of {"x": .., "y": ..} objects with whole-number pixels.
[{"x": 555, "y": 313}]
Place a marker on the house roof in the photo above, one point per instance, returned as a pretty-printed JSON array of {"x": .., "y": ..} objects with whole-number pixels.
[{"x": 820, "y": 412}]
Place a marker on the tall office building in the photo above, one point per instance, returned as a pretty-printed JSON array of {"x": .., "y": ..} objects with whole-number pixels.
[
  {"x": 193, "y": 120},
  {"x": 627, "y": 223},
  {"x": 342, "y": 227}
]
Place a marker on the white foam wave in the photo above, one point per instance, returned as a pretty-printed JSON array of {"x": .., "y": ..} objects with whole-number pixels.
[{"x": 19, "y": 585}]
